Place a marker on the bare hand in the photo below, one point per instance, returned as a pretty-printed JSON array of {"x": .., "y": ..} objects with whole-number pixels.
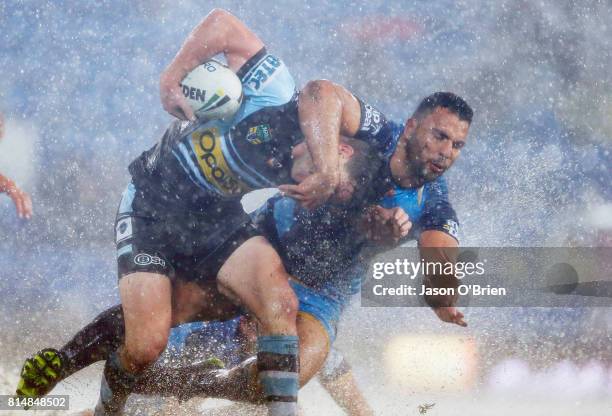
[
  {"x": 451, "y": 315},
  {"x": 22, "y": 201},
  {"x": 312, "y": 192},
  {"x": 172, "y": 98},
  {"x": 388, "y": 225}
]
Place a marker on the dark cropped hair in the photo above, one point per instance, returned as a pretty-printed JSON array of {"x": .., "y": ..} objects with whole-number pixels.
[
  {"x": 364, "y": 167},
  {"x": 448, "y": 100}
]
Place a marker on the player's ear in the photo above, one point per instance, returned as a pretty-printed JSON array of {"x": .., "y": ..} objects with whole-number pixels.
[
  {"x": 344, "y": 191},
  {"x": 410, "y": 127},
  {"x": 346, "y": 150}
]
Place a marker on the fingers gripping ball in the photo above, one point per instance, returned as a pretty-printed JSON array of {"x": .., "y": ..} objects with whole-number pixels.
[{"x": 213, "y": 91}]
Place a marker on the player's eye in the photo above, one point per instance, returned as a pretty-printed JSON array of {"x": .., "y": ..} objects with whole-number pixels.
[{"x": 458, "y": 145}]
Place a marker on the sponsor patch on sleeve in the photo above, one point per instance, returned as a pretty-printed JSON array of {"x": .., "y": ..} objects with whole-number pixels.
[
  {"x": 452, "y": 228},
  {"x": 123, "y": 229}
]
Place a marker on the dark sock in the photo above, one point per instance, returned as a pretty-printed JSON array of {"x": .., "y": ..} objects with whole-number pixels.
[
  {"x": 117, "y": 384},
  {"x": 95, "y": 342}
]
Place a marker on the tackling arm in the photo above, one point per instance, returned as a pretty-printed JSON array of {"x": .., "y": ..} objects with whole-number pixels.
[
  {"x": 326, "y": 111},
  {"x": 218, "y": 32}
]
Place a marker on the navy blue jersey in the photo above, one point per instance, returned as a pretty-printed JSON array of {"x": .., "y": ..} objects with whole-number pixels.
[
  {"x": 315, "y": 246},
  {"x": 428, "y": 206},
  {"x": 382, "y": 134}
]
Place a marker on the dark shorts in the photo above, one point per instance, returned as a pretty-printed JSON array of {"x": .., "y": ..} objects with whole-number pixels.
[{"x": 182, "y": 244}]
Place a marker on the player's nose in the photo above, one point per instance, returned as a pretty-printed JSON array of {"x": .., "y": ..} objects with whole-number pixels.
[{"x": 446, "y": 149}]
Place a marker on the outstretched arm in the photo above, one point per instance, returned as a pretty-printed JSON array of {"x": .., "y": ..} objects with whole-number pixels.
[
  {"x": 22, "y": 200},
  {"x": 219, "y": 32},
  {"x": 326, "y": 110},
  {"x": 439, "y": 247}
]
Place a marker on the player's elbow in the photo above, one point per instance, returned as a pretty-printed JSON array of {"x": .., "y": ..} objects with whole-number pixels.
[
  {"x": 219, "y": 15},
  {"x": 219, "y": 21},
  {"x": 319, "y": 89}
]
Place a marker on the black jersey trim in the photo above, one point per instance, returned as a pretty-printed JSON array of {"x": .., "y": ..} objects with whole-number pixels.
[
  {"x": 360, "y": 130},
  {"x": 250, "y": 64}
]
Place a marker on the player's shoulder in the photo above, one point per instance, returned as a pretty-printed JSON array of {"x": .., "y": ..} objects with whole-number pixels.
[
  {"x": 265, "y": 76},
  {"x": 377, "y": 129}
]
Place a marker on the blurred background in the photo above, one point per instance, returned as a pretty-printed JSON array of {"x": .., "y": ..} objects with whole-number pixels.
[{"x": 79, "y": 92}]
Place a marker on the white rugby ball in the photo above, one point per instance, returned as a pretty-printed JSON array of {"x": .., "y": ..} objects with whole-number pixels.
[{"x": 213, "y": 91}]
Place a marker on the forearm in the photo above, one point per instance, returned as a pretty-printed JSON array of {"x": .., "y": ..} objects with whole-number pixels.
[
  {"x": 437, "y": 248},
  {"x": 320, "y": 113},
  {"x": 219, "y": 32}
]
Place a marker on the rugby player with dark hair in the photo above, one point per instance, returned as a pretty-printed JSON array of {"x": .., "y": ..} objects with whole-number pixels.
[
  {"x": 416, "y": 153},
  {"x": 158, "y": 187},
  {"x": 181, "y": 216}
]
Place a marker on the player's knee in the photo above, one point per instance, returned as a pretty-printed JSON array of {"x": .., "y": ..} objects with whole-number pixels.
[
  {"x": 219, "y": 15},
  {"x": 226, "y": 280},
  {"x": 144, "y": 352}
]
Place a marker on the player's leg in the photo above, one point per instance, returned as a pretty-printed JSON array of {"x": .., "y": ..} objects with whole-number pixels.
[
  {"x": 316, "y": 322},
  {"x": 337, "y": 378},
  {"x": 147, "y": 314},
  {"x": 102, "y": 336},
  {"x": 45, "y": 369},
  {"x": 315, "y": 325},
  {"x": 145, "y": 288},
  {"x": 255, "y": 277},
  {"x": 200, "y": 301},
  {"x": 241, "y": 382},
  {"x": 194, "y": 299},
  {"x": 314, "y": 346},
  {"x": 41, "y": 372}
]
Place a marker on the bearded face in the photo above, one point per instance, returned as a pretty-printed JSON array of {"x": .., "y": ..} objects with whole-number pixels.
[{"x": 434, "y": 145}]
